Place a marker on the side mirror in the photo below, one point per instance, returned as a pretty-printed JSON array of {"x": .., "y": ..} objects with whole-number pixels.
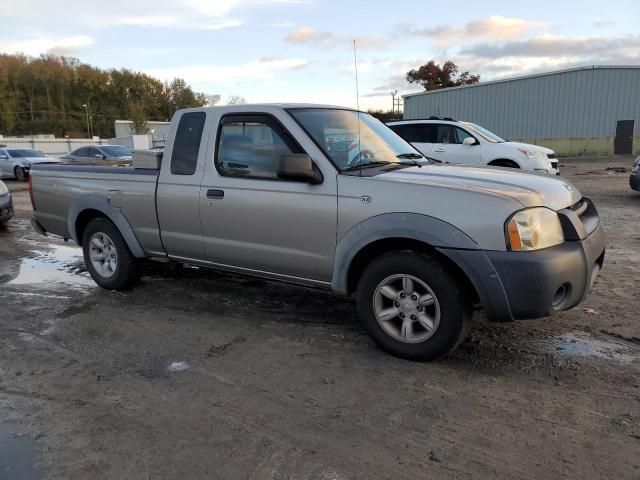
[
  {"x": 299, "y": 167},
  {"x": 100, "y": 156},
  {"x": 469, "y": 141}
]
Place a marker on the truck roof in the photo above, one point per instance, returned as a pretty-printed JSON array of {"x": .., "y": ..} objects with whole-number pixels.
[{"x": 258, "y": 106}]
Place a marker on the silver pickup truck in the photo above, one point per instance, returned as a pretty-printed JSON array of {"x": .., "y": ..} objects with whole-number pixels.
[{"x": 332, "y": 198}]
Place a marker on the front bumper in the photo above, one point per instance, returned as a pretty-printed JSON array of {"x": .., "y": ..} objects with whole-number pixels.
[
  {"x": 634, "y": 181},
  {"x": 6, "y": 207},
  {"x": 519, "y": 285}
]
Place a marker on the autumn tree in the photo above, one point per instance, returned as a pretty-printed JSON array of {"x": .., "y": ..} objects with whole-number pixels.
[
  {"x": 435, "y": 77},
  {"x": 46, "y": 95}
]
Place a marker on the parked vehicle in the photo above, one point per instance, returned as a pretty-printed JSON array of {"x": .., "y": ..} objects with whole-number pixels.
[
  {"x": 98, "y": 155},
  {"x": 634, "y": 178},
  {"x": 17, "y": 162},
  {"x": 6, "y": 204},
  {"x": 255, "y": 189},
  {"x": 451, "y": 141}
]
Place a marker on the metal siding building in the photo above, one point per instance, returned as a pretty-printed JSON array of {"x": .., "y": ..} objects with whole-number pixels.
[{"x": 573, "y": 111}]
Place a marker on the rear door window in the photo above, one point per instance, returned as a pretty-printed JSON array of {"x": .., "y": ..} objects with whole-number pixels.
[
  {"x": 81, "y": 152},
  {"x": 416, "y": 133},
  {"x": 186, "y": 146}
]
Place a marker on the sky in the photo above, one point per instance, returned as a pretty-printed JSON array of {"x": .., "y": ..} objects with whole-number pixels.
[{"x": 302, "y": 50}]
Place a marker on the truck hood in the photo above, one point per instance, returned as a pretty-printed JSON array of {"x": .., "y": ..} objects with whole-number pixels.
[
  {"x": 528, "y": 146},
  {"x": 529, "y": 188}
]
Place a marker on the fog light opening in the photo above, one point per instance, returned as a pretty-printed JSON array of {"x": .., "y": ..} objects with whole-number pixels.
[{"x": 560, "y": 296}]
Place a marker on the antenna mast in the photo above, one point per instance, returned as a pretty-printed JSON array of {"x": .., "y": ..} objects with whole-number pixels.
[{"x": 355, "y": 64}]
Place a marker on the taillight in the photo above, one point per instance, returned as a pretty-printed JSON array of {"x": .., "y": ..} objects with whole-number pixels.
[{"x": 33, "y": 204}]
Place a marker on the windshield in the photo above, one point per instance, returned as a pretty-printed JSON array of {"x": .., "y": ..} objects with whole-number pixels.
[
  {"x": 483, "y": 132},
  {"x": 350, "y": 145},
  {"x": 116, "y": 151},
  {"x": 25, "y": 153}
]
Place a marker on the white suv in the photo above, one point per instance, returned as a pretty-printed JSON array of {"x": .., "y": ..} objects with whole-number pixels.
[{"x": 450, "y": 141}]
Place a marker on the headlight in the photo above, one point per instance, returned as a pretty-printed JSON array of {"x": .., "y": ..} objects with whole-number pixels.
[
  {"x": 533, "y": 229},
  {"x": 533, "y": 154},
  {"x": 3, "y": 189},
  {"x": 636, "y": 165}
]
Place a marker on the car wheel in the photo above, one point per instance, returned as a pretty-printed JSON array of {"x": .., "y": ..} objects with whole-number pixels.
[
  {"x": 21, "y": 174},
  {"x": 504, "y": 164},
  {"x": 107, "y": 257},
  {"x": 411, "y": 306}
]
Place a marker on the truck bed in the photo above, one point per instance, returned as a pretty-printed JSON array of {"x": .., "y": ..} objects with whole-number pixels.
[{"x": 58, "y": 189}]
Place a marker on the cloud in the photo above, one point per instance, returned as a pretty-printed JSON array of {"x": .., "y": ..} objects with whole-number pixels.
[
  {"x": 262, "y": 70},
  {"x": 603, "y": 22},
  {"x": 556, "y": 46},
  {"x": 325, "y": 40},
  {"x": 494, "y": 27},
  {"x": 183, "y": 14},
  {"x": 55, "y": 46}
]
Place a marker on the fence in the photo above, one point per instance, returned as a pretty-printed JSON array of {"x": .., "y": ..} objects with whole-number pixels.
[
  {"x": 62, "y": 146},
  {"x": 50, "y": 146}
]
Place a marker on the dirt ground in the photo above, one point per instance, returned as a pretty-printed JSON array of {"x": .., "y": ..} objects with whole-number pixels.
[{"x": 201, "y": 375}]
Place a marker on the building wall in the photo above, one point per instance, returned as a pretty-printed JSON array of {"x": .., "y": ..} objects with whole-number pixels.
[{"x": 573, "y": 111}]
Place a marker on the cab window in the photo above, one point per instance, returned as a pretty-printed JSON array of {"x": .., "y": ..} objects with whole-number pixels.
[
  {"x": 186, "y": 146},
  {"x": 252, "y": 148}
]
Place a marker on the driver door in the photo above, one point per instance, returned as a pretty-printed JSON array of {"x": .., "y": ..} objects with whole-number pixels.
[{"x": 254, "y": 221}]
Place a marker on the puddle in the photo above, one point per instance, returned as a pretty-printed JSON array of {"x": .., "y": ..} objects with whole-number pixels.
[
  {"x": 18, "y": 457},
  {"x": 580, "y": 344},
  {"x": 62, "y": 264},
  {"x": 178, "y": 366}
]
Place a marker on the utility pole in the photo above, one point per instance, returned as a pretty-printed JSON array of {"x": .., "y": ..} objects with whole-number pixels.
[
  {"x": 86, "y": 111},
  {"x": 393, "y": 99}
]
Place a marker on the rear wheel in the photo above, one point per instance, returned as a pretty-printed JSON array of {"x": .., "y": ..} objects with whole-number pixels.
[
  {"x": 411, "y": 306},
  {"x": 20, "y": 174},
  {"x": 107, "y": 257}
]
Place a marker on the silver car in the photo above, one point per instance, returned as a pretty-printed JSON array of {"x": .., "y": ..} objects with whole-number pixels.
[
  {"x": 98, "y": 155},
  {"x": 17, "y": 162},
  {"x": 6, "y": 204}
]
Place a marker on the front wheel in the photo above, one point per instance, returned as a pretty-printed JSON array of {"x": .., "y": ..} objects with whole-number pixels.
[
  {"x": 21, "y": 174},
  {"x": 411, "y": 306},
  {"x": 107, "y": 257}
]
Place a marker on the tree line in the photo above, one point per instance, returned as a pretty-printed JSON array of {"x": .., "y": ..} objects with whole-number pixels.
[{"x": 48, "y": 94}]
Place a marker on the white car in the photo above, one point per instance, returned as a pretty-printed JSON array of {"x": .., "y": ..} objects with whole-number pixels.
[{"x": 452, "y": 141}]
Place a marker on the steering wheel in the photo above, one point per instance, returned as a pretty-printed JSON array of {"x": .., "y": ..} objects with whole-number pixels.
[{"x": 362, "y": 155}]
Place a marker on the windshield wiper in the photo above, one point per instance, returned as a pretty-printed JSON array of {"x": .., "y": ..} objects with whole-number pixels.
[
  {"x": 409, "y": 155},
  {"x": 377, "y": 163},
  {"x": 413, "y": 157}
]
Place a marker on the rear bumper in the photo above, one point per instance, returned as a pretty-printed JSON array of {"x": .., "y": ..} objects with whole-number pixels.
[
  {"x": 519, "y": 285},
  {"x": 6, "y": 208},
  {"x": 634, "y": 181}
]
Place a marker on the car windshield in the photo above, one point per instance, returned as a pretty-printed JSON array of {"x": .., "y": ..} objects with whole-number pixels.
[
  {"x": 25, "y": 153},
  {"x": 115, "y": 151},
  {"x": 353, "y": 139},
  {"x": 483, "y": 132}
]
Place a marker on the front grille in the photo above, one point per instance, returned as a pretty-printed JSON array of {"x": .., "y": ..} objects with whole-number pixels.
[{"x": 554, "y": 165}]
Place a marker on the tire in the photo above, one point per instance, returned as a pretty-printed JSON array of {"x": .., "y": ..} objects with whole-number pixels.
[
  {"x": 448, "y": 313},
  {"x": 20, "y": 174},
  {"x": 504, "y": 164},
  {"x": 120, "y": 269}
]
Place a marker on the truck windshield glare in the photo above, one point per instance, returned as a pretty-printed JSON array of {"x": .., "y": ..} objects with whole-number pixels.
[{"x": 348, "y": 144}]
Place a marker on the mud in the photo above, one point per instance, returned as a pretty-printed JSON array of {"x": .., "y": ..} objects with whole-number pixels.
[{"x": 196, "y": 374}]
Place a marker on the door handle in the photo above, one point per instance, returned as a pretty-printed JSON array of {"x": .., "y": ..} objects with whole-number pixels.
[
  {"x": 439, "y": 150},
  {"x": 215, "y": 194}
]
